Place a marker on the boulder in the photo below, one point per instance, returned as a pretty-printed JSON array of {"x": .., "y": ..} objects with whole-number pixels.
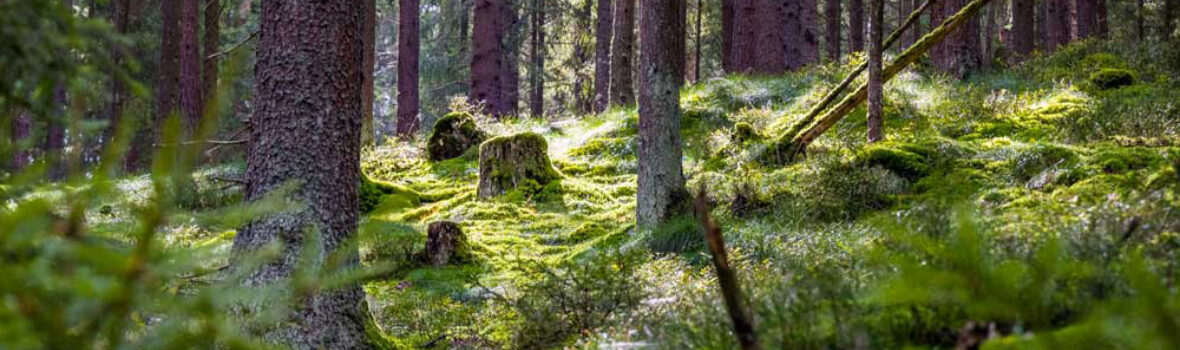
[
  {"x": 509, "y": 162},
  {"x": 453, "y": 135},
  {"x": 445, "y": 244}
]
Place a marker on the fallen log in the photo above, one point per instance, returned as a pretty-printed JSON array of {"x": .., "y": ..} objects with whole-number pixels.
[{"x": 791, "y": 145}]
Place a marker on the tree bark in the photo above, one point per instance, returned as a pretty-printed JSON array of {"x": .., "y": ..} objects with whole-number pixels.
[
  {"x": 212, "y": 41},
  {"x": 1023, "y": 37},
  {"x": 810, "y": 16},
  {"x": 875, "y": 109},
  {"x": 622, "y": 49},
  {"x": 407, "y": 68},
  {"x": 904, "y": 7},
  {"x": 22, "y": 130},
  {"x": 773, "y": 22},
  {"x": 118, "y": 89},
  {"x": 168, "y": 77},
  {"x": 537, "y": 73},
  {"x": 602, "y": 42},
  {"x": 958, "y": 56},
  {"x": 746, "y": 28},
  {"x": 511, "y": 44},
  {"x": 191, "y": 101},
  {"x": 1056, "y": 24},
  {"x": 1169, "y": 17},
  {"x": 1141, "y": 25},
  {"x": 307, "y": 130},
  {"x": 661, "y": 193},
  {"x": 368, "y": 64},
  {"x": 834, "y": 16},
  {"x": 1085, "y": 19},
  {"x": 989, "y": 35},
  {"x": 696, "y": 61},
  {"x": 487, "y": 60},
  {"x": 856, "y": 29},
  {"x": 727, "y": 36},
  {"x": 1103, "y": 19}
]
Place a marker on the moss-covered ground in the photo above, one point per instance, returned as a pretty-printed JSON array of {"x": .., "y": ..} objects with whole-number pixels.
[{"x": 1062, "y": 151}]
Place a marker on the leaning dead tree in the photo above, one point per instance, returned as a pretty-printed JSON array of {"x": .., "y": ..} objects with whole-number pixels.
[
  {"x": 796, "y": 140},
  {"x": 832, "y": 95}
]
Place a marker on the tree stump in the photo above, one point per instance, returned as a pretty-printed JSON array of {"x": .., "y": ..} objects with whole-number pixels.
[
  {"x": 508, "y": 162},
  {"x": 452, "y": 136},
  {"x": 445, "y": 243}
]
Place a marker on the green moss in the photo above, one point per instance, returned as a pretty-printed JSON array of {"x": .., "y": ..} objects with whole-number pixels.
[
  {"x": 453, "y": 135},
  {"x": 1107, "y": 79},
  {"x": 1039, "y": 157},
  {"x": 744, "y": 132},
  {"x": 1123, "y": 159},
  {"x": 613, "y": 147},
  {"x": 906, "y": 160},
  {"x": 516, "y": 162},
  {"x": 386, "y": 196}
]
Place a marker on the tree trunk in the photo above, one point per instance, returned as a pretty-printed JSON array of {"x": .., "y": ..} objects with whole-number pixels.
[
  {"x": 1023, "y": 37},
  {"x": 856, "y": 22},
  {"x": 1042, "y": 24},
  {"x": 55, "y": 134},
  {"x": 191, "y": 104},
  {"x": 810, "y": 16},
  {"x": 1141, "y": 25},
  {"x": 622, "y": 49},
  {"x": 212, "y": 41},
  {"x": 407, "y": 68},
  {"x": 22, "y": 130},
  {"x": 773, "y": 20},
  {"x": 876, "y": 111},
  {"x": 989, "y": 35},
  {"x": 904, "y": 9},
  {"x": 1085, "y": 19},
  {"x": 1056, "y": 24},
  {"x": 1103, "y": 19},
  {"x": 727, "y": 36},
  {"x": 747, "y": 25},
  {"x": 537, "y": 79},
  {"x": 696, "y": 61},
  {"x": 602, "y": 42},
  {"x": 487, "y": 58},
  {"x": 168, "y": 83},
  {"x": 1168, "y": 13},
  {"x": 661, "y": 193},
  {"x": 959, "y": 55},
  {"x": 118, "y": 89},
  {"x": 307, "y": 129},
  {"x": 368, "y": 64},
  {"x": 833, "y": 15},
  {"x": 511, "y": 44}
]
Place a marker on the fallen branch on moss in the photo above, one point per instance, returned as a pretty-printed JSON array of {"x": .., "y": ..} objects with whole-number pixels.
[
  {"x": 743, "y": 327},
  {"x": 791, "y": 145}
]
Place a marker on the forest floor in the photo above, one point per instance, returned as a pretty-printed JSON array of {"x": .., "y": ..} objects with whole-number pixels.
[{"x": 1043, "y": 185}]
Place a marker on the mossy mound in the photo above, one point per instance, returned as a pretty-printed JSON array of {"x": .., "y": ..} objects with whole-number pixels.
[
  {"x": 509, "y": 162},
  {"x": 1114, "y": 160},
  {"x": 387, "y": 196},
  {"x": 453, "y": 135},
  {"x": 910, "y": 161},
  {"x": 743, "y": 132},
  {"x": 1107, "y": 79}
]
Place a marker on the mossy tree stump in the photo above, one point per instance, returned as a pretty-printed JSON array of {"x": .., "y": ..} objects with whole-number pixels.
[
  {"x": 445, "y": 243},
  {"x": 452, "y": 136},
  {"x": 508, "y": 162}
]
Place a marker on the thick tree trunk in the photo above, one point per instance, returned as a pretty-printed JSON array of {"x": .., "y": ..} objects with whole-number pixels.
[
  {"x": 1023, "y": 37},
  {"x": 747, "y": 26},
  {"x": 212, "y": 41},
  {"x": 1056, "y": 23},
  {"x": 602, "y": 42},
  {"x": 856, "y": 22},
  {"x": 810, "y": 16},
  {"x": 168, "y": 83},
  {"x": 696, "y": 60},
  {"x": 191, "y": 102},
  {"x": 903, "y": 10},
  {"x": 1085, "y": 19},
  {"x": 537, "y": 73},
  {"x": 727, "y": 36},
  {"x": 1042, "y": 28},
  {"x": 118, "y": 89},
  {"x": 959, "y": 55},
  {"x": 368, "y": 64},
  {"x": 833, "y": 17},
  {"x": 622, "y": 92},
  {"x": 875, "y": 110},
  {"x": 487, "y": 58},
  {"x": 307, "y": 130},
  {"x": 773, "y": 22},
  {"x": 1103, "y": 19},
  {"x": 989, "y": 35},
  {"x": 511, "y": 44},
  {"x": 661, "y": 193},
  {"x": 407, "y": 68}
]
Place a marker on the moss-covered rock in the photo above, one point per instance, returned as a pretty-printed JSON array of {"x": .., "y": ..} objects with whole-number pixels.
[
  {"x": 906, "y": 160},
  {"x": 453, "y": 135},
  {"x": 1107, "y": 78},
  {"x": 508, "y": 162},
  {"x": 379, "y": 194}
]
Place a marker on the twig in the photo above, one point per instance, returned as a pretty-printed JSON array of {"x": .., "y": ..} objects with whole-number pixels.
[
  {"x": 235, "y": 47},
  {"x": 204, "y": 273},
  {"x": 226, "y": 179}
]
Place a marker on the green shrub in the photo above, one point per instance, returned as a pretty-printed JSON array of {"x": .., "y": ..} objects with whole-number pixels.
[{"x": 1107, "y": 79}]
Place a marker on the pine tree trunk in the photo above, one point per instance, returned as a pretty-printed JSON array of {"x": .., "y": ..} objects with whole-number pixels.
[
  {"x": 118, "y": 89},
  {"x": 747, "y": 25},
  {"x": 407, "y": 68},
  {"x": 989, "y": 34},
  {"x": 856, "y": 22},
  {"x": 959, "y": 55},
  {"x": 810, "y": 16},
  {"x": 1103, "y": 19},
  {"x": 191, "y": 104},
  {"x": 168, "y": 77},
  {"x": 622, "y": 50},
  {"x": 212, "y": 41},
  {"x": 1056, "y": 24},
  {"x": 661, "y": 193},
  {"x": 368, "y": 64},
  {"x": 904, "y": 9},
  {"x": 1023, "y": 37},
  {"x": 772, "y": 17},
  {"x": 307, "y": 129},
  {"x": 22, "y": 130},
  {"x": 875, "y": 98},
  {"x": 1085, "y": 19},
  {"x": 727, "y": 36},
  {"x": 602, "y": 42},
  {"x": 696, "y": 61},
  {"x": 511, "y": 45},
  {"x": 487, "y": 58},
  {"x": 537, "y": 79},
  {"x": 833, "y": 16}
]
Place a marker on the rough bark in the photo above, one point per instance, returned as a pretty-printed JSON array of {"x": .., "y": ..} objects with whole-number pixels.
[
  {"x": 212, "y": 40},
  {"x": 1103, "y": 19},
  {"x": 904, "y": 7},
  {"x": 537, "y": 73},
  {"x": 696, "y": 59},
  {"x": 118, "y": 89},
  {"x": 511, "y": 44},
  {"x": 1085, "y": 19},
  {"x": 407, "y": 68},
  {"x": 622, "y": 91},
  {"x": 602, "y": 42},
  {"x": 168, "y": 83},
  {"x": 727, "y": 36},
  {"x": 810, "y": 16},
  {"x": 1023, "y": 37},
  {"x": 833, "y": 17},
  {"x": 307, "y": 130},
  {"x": 1042, "y": 30},
  {"x": 191, "y": 102},
  {"x": 746, "y": 30},
  {"x": 772, "y": 42},
  {"x": 661, "y": 193},
  {"x": 487, "y": 59},
  {"x": 368, "y": 64},
  {"x": 1056, "y": 24},
  {"x": 875, "y": 109},
  {"x": 960, "y": 54},
  {"x": 856, "y": 22}
]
